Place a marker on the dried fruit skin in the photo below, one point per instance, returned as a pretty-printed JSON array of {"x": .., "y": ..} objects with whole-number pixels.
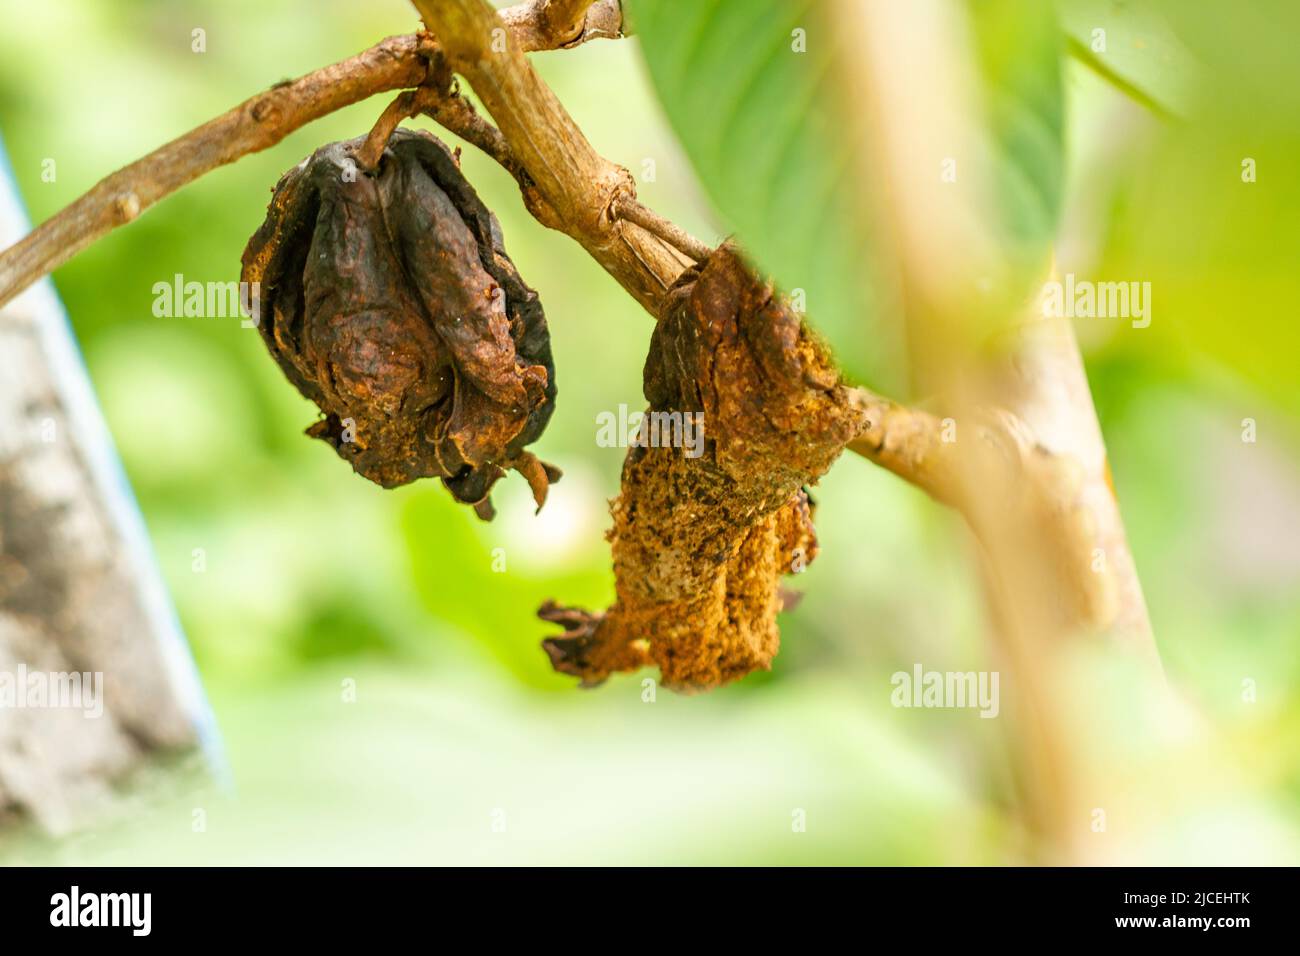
[
  {"x": 387, "y": 298},
  {"x": 700, "y": 544}
]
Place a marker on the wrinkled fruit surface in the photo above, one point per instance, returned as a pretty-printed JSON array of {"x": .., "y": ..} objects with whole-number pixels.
[
  {"x": 700, "y": 544},
  {"x": 387, "y": 298}
]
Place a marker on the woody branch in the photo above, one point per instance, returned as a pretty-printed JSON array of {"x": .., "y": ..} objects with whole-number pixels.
[{"x": 565, "y": 183}]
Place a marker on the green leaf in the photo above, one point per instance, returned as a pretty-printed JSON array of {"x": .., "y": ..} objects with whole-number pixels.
[
  {"x": 755, "y": 90},
  {"x": 1206, "y": 210},
  {"x": 758, "y": 121},
  {"x": 1133, "y": 45},
  {"x": 1018, "y": 52}
]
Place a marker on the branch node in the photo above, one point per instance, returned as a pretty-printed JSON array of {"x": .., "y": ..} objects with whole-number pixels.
[
  {"x": 126, "y": 208},
  {"x": 625, "y": 207},
  {"x": 404, "y": 106}
]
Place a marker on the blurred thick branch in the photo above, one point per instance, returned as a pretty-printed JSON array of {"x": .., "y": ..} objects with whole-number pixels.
[{"x": 1031, "y": 478}]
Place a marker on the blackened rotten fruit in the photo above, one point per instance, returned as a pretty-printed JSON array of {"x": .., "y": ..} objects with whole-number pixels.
[{"x": 387, "y": 298}]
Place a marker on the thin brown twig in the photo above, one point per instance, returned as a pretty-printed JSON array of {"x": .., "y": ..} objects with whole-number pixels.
[
  {"x": 908, "y": 442},
  {"x": 633, "y": 211},
  {"x": 407, "y": 104},
  {"x": 576, "y": 185},
  {"x": 259, "y": 123},
  {"x": 440, "y": 100},
  {"x": 252, "y": 126},
  {"x": 455, "y": 113}
]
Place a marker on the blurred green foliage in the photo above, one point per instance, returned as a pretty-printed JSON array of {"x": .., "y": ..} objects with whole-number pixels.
[
  {"x": 761, "y": 94},
  {"x": 314, "y": 577},
  {"x": 751, "y": 88}
]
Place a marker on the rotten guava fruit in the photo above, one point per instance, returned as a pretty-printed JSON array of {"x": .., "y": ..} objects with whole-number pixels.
[
  {"x": 700, "y": 544},
  {"x": 387, "y": 298}
]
